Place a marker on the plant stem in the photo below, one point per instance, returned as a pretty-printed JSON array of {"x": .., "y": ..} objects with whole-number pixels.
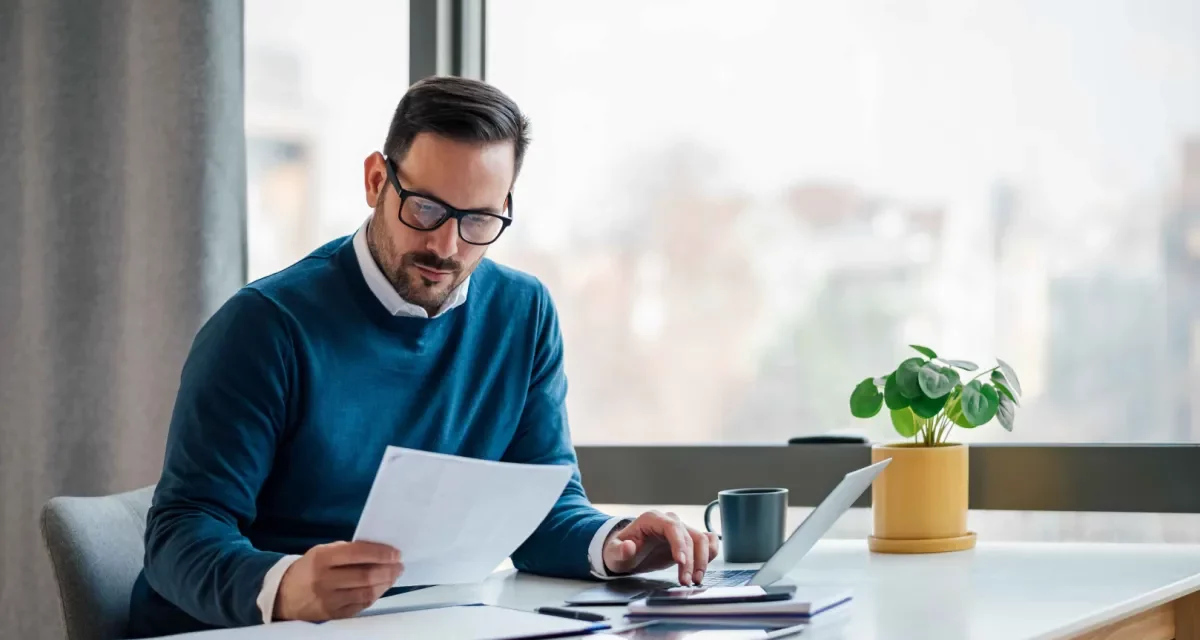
[
  {"x": 944, "y": 425},
  {"x": 981, "y": 373}
]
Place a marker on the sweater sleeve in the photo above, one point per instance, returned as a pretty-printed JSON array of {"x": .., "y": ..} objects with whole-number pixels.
[
  {"x": 228, "y": 416},
  {"x": 559, "y": 546}
]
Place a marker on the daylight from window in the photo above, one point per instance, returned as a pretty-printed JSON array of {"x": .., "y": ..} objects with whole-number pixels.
[{"x": 743, "y": 209}]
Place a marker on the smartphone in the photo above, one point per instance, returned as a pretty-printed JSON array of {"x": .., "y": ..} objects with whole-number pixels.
[{"x": 718, "y": 595}]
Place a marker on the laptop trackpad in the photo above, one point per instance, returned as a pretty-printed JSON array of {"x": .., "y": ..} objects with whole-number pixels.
[{"x": 621, "y": 591}]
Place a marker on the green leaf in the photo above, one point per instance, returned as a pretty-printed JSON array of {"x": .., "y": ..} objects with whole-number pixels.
[
  {"x": 998, "y": 380},
  {"x": 936, "y": 381},
  {"x": 866, "y": 400},
  {"x": 954, "y": 410},
  {"x": 965, "y": 365},
  {"x": 979, "y": 402},
  {"x": 1006, "y": 412},
  {"x": 1010, "y": 376},
  {"x": 953, "y": 377},
  {"x": 891, "y": 394},
  {"x": 905, "y": 422},
  {"x": 907, "y": 377},
  {"x": 927, "y": 407},
  {"x": 926, "y": 351}
]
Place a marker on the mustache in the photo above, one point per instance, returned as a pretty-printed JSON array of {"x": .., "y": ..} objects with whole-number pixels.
[{"x": 430, "y": 260}]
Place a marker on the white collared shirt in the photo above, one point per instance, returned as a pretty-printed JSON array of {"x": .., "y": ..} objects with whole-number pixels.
[
  {"x": 398, "y": 306},
  {"x": 386, "y": 293}
]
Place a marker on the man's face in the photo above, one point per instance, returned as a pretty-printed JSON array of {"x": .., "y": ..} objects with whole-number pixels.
[{"x": 425, "y": 266}]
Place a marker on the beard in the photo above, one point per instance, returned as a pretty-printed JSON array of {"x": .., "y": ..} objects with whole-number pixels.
[{"x": 398, "y": 268}]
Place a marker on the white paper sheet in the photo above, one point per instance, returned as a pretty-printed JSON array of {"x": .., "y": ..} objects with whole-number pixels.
[
  {"x": 455, "y": 519},
  {"x": 456, "y": 623},
  {"x": 293, "y": 630}
]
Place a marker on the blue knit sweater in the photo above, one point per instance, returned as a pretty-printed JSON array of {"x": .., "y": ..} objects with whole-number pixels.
[{"x": 291, "y": 393}]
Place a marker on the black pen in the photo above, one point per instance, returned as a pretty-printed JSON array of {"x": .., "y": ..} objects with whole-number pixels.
[{"x": 573, "y": 614}]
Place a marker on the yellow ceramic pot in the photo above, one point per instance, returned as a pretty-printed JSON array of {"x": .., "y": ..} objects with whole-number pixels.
[{"x": 919, "y": 502}]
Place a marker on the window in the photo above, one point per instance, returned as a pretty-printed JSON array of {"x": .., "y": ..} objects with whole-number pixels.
[
  {"x": 741, "y": 210},
  {"x": 322, "y": 80},
  {"x": 1009, "y": 526},
  {"x": 744, "y": 208}
]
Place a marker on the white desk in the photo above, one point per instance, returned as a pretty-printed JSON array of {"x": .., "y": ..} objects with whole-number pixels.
[{"x": 1003, "y": 591}]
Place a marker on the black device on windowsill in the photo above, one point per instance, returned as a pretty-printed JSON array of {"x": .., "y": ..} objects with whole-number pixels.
[{"x": 830, "y": 438}]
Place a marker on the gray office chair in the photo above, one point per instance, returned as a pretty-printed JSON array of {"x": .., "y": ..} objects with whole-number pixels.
[{"x": 96, "y": 546}]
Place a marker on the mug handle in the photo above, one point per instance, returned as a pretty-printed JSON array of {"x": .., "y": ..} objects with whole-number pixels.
[{"x": 708, "y": 514}]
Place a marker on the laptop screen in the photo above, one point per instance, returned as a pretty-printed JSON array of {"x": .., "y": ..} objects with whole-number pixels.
[{"x": 817, "y": 524}]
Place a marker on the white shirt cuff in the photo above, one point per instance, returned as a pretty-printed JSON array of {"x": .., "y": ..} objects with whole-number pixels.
[
  {"x": 596, "y": 548},
  {"x": 270, "y": 587}
]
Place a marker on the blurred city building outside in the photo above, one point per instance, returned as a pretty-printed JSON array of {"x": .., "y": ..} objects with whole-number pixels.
[{"x": 742, "y": 210}]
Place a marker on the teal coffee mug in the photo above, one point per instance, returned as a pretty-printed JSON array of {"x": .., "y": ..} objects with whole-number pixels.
[{"x": 752, "y": 522}]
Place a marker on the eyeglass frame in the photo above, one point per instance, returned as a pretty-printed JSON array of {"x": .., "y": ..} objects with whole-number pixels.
[{"x": 451, "y": 211}]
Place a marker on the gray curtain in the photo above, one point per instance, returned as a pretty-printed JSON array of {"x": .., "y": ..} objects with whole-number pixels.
[{"x": 122, "y": 209}]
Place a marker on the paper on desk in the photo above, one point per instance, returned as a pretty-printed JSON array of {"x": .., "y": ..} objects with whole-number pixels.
[
  {"x": 460, "y": 623},
  {"x": 291, "y": 630},
  {"x": 455, "y": 519}
]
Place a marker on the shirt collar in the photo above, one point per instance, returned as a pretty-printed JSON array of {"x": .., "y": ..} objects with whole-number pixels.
[{"x": 386, "y": 293}]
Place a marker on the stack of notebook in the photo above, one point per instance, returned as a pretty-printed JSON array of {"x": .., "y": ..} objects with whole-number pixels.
[{"x": 805, "y": 605}]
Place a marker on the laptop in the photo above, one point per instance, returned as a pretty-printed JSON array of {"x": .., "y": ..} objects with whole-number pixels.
[{"x": 625, "y": 590}]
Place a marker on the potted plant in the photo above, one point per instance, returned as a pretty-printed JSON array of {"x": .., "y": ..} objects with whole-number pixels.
[{"x": 919, "y": 502}]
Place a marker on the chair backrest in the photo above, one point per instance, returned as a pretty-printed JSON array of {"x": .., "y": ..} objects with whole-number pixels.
[{"x": 96, "y": 546}]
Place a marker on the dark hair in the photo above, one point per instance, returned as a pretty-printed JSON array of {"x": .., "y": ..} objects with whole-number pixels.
[{"x": 460, "y": 109}]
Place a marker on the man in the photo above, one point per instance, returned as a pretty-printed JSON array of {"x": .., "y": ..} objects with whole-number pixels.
[{"x": 406, "y": 335}]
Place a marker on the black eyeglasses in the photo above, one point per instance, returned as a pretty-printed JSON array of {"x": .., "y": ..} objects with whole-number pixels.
[{"x": 426, "y": 213}]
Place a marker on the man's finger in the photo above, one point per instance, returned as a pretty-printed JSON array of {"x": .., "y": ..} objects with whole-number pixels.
[
  {"x": 620, "y": 555},
  {"x": 362, "y": 597},
  {"x": 361, "y": 553},
  {"x": 357, "y": 600},
  {"x": 339, "y": 610},
  {"x": 626, "y": 549},
  {"x": 364, "y": 575},
  {"x": 688, "y": 569},
  {"x": 347, "y": 611},
  {"x": 681, "y": 546},
  {"x": 714, "y": 545},
  {"x": 700, "y": 546}
]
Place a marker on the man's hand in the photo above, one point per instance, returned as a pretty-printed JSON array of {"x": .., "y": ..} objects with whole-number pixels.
[
  {"x": 336, "y": 581},
  {"x": 656, "y": 541}
]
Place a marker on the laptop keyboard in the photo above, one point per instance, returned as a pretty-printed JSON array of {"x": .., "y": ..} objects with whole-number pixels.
[{"x": 728, "y": 578}]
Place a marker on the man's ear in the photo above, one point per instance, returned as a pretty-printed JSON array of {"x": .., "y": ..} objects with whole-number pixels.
[{"x": 374, "y": 178}]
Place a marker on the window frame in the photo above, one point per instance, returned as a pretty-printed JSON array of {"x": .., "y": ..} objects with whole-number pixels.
[
  {"x": 1121, "y": 478},
  {"x": 447, "y": 37}
]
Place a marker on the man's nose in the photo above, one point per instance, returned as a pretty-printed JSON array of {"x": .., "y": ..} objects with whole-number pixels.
[{"x": 444, "y": 240}]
